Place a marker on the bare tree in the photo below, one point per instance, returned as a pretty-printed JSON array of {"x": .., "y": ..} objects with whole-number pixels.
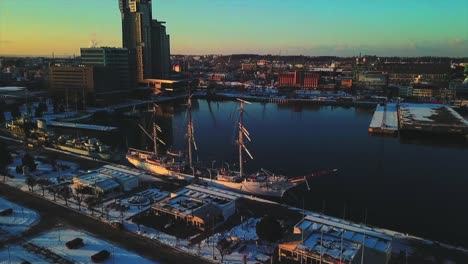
[
  {"x": 79, "y": 199},
  {"x": 31, "y": 182},
  {"x": 66, "y": 193},
  {"x": 43, "y": 183},
  {"x": 52, "y": 190},
  {"x": 91, "y": 202},
  {"x": 223, "y": 247}
]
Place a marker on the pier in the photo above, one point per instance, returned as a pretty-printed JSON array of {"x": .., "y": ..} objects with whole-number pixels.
[
  {"x": 281, "y": 99},
  {"x": 81, "y": 126},
  {"x": 136, "y": 103},
  {"x": 385, "y": 120},
  {"x": 431, "y": 118}
]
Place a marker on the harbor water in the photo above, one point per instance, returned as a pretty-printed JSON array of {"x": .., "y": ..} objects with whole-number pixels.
[{"x": 414, "y": 185}]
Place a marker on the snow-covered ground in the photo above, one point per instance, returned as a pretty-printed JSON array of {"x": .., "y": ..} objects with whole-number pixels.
[
  {"x": 55, "y": 242},
  {"x": 43, "y": 170},
  {"x": 422, "y": 113},
  {"x": 248, "y": 246},
  {"x": 18, "y": 221},
  {"x": 140, "y": 202}
]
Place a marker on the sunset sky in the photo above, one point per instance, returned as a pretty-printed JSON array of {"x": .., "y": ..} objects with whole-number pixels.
[{"x": 307, "y": 27}]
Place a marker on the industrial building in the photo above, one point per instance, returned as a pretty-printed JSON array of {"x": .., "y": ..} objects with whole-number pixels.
[
  {"x": 108, "y": 179},
  {"x": 320, "y": 239},
  {"x": 198, "y": 206},
  {"x": 298, "y": 79}
]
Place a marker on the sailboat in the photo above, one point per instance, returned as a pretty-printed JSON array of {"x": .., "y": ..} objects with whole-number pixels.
[
  {"x": 262, "y": 183},
  {"x": 166, "y": 164}
]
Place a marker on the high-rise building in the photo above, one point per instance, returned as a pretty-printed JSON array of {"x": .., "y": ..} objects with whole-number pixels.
[
  {"x": 145, "y": 39},
  {"x": 113, "y": 62},
  {"x": 160, "y": 50},
  {"x": 136, "y": 35}
]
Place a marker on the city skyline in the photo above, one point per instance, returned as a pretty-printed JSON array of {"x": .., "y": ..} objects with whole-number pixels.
[{"x": 336, "y": 28}]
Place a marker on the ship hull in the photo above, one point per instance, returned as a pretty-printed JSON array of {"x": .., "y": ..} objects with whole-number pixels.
[
  {"x": 153, "y": 168},
  {"x": 251, "y": 188},
  {"x": 96, "y": 155},
  {"x": 245, "y": 187}
]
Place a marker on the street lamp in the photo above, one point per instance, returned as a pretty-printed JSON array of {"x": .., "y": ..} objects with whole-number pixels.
[{"x": 212, "y": 164}]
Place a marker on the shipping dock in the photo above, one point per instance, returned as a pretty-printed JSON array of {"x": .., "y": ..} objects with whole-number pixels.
[
  {"x": 385, "y": 120},
  {"x": 431, "y": 118}
]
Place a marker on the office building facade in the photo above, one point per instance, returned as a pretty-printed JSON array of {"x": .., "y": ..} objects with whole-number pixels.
[
  {"x": 73, "y": 83},
  {"x": 111, "y": 66}
]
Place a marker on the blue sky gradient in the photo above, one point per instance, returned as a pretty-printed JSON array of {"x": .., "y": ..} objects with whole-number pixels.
[{"x": 307, "y": 27}]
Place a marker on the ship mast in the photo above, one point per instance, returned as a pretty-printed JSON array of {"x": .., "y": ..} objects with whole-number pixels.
[
  {"x": 155, "y": 132},
  {"x": 242, "y": 132},
  {"x": 189, "y": 129},
  {"x": 241, "y": 139},
  {"x": 190, "y": 138}
]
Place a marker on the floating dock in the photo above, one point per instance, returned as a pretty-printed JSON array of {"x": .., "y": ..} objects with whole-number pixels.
[
  {"x": 385, "y": 120},
  {"x": 431, "y": 118}
]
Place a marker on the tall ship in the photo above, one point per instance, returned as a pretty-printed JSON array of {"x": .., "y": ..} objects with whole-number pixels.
[
  {"x": 262, "y": 183},
  {"x": 90, "y": 147},
  {"x": 165, "y": 164}
]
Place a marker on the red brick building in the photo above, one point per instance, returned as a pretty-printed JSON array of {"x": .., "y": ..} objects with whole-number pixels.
[{"x": 299, "y": 79}]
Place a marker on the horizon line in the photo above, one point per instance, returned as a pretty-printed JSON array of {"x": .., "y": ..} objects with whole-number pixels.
[{"x": 62, "y": 56}]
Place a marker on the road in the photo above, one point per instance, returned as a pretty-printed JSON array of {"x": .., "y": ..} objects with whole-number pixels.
[{"x": 53, "y": 215}]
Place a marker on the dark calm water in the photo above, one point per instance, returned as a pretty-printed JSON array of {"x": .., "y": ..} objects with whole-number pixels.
[{"x": 413, "y": 185}]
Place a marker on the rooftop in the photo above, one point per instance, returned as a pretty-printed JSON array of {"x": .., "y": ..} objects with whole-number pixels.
[
  {"x": 95, "y": 178},
  {"x": 311, "y": 225}
]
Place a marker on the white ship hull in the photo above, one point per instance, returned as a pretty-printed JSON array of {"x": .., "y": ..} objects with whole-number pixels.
[
  {"x": 252, "y": 188},
  {"x": 246, "y": 187},
  {"x": 152, "y": 167}
]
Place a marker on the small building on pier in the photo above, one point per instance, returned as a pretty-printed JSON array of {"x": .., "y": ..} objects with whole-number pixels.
[
  {"x": 107, "y": 180},
  {"x": 320, "y": 239},
  {"x": 198, "y": 206}
]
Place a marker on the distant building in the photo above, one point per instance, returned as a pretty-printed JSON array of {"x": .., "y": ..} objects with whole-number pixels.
[
  {"x": 111, "y": 67},
  {"x": 167, "y": 86},
  {"x": 406, "y": 73},
  {"x": 220, "y": 76},
  {"x": 329, "y": 240},
  {"x": 198, "y": 206},
  {"x": 72, "y": 83},
  {"x": 372, "y": 80},
  {"x": 248, "y": 67},
  {"x": 347, "y": 82},
  {"x": 424, "y": 91},
  {"x": 460, "y": 88},
  {"x": 298, "y": 79}
]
